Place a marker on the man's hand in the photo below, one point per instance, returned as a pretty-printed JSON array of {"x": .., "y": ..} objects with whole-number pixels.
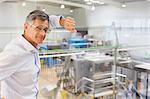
[{"x": 68, "y": 23}]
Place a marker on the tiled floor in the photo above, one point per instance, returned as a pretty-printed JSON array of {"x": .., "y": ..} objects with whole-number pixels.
[{"x": 47, "y": 77}]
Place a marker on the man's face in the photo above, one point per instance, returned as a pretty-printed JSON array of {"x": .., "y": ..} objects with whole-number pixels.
[{"x": 37, "y": 31}]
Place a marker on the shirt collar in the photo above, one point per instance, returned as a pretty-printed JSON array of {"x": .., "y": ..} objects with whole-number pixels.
[{"x": 27, "y": 45}]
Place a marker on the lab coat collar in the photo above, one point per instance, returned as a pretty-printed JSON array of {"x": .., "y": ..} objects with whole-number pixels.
[{"x": 28, "y": 46}]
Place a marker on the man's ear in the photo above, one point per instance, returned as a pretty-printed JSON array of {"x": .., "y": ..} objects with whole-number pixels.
[{"x": 25, "y": 25}]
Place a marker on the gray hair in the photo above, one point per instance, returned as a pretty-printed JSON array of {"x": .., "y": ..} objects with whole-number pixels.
[{"x": 37, "y": 14}]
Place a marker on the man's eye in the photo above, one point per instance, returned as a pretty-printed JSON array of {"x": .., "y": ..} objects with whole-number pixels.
[
  {"x": 46, "y": 30},
  {"x": 42, "y": 29},
  {"x": 39, "y": 28}
]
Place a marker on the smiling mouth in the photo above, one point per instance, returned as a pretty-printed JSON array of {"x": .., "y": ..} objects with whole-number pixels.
[{"x": 42, "y": 38}]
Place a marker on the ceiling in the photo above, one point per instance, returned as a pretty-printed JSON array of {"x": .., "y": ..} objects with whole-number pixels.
[
  {"x": 75, "y": 3},
  {"x": 111, "y": 2},
  {"x": 119, "y": 1},
  {"x": 82, "y": 1},
  {"x": 128, "y": 1}
]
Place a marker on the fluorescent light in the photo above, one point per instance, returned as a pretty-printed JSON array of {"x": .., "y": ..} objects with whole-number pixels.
[
  {"x": 44, "y": 9},
  {"x": 24, "y": 4},
  {"x": 95, "y": 1},
  {"x": 93, "y": 8},
  {"x": 86, "y": 0},
  {"x": 62, "y": 6},
  {"x": 101, "y": 3},
  {"x": 71, "y": 11},
  {"x": 89, "y": 3},
  {"x": 98, "y": 2},
  {"x": 123, "y": 5}
]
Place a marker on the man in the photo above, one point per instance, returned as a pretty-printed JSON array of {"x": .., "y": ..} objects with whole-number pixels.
[{"x": 19, "y": 62}]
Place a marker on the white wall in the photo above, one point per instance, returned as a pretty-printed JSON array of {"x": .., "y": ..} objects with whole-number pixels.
[
  {"x": 12, "y": 17},
  {"x": 133, "y": 19},
  {"x": 80, "y": 17},
  {"x": 104, "y": 15},
  {"x": 136, "y": 15},
  {"x": 14, "y": 14}
]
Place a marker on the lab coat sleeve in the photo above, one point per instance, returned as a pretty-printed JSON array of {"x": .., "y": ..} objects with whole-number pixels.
[
  {"x": 8, "y": 64},
  {"x": 54, "y": 21}
]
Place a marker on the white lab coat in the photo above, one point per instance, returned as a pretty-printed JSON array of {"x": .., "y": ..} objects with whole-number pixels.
[{"x": 19, "y": 68}]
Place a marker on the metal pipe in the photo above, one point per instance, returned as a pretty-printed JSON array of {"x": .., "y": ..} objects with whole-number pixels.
[{"x": 1, "y": 1}]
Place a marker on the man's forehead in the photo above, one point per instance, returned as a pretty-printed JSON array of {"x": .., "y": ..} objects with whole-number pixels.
[{"x": 41, "y": 22}]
